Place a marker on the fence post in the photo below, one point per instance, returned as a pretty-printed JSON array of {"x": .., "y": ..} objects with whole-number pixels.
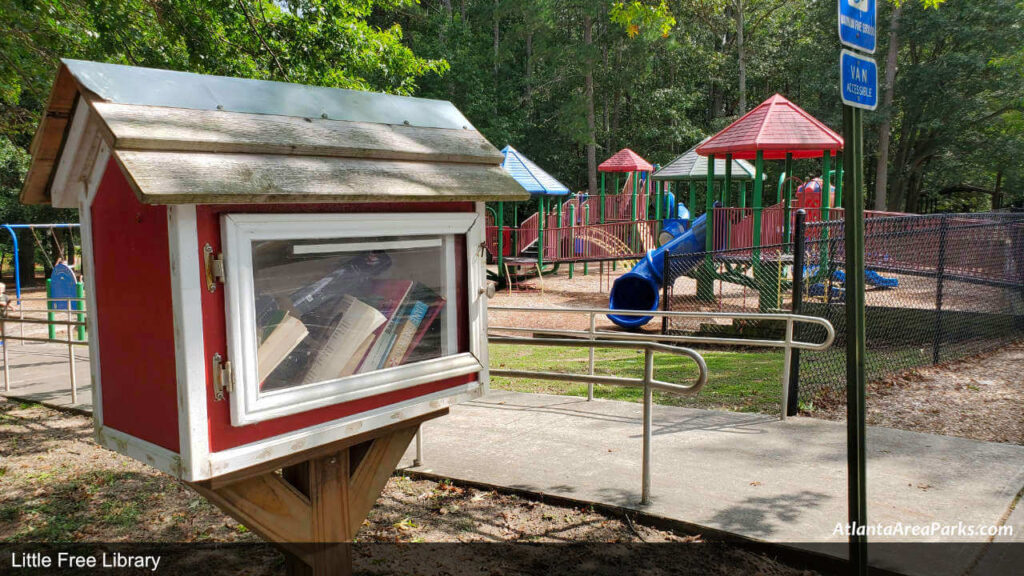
[
  {"x": 3, "y": 336},
  {"x": 799, "y": 250},
  {"x": 940, "y": 269}
]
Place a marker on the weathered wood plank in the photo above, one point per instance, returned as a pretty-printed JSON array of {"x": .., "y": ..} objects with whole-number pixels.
[
  {"x": 204, "y": 177},
  {"x": 373, "y": 471},
  {"x": 47, "y": 142},
  {"x": 268, "y": 505},
  {"x": 178, "y": 129}
]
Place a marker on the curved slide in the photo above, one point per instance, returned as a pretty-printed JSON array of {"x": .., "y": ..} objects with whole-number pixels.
[{"x": 640, "y": 288}]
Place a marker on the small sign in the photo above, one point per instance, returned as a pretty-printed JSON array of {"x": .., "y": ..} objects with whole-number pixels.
[
  {"x": 857, "y": 24},
  {"x": 858, "y": 80}
]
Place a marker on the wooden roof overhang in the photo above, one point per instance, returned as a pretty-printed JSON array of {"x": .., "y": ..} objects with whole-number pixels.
[{"x": 184, "y": 138}]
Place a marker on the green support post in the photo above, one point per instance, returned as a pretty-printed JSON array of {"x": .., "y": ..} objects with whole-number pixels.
[
  {"x": 586, "y": 222},
  {"x": 826, "y": 205},
  {"x": 839, "y": 178},
  {"x": 743, "y": 195},
  {"x": 768, "y": 296},
  {"x": 657, "y": 201},
  {"x": 826, "y": 196},
  {"x": 693, "y": 199},
  {"x": 80, "y": 293},
  {"x": 706, "y": 280},
  {"x": 541, "y": 217},
  {"x": 727, "y": 186},
  {"x": 602, "y": 199},
  {"x": 572, "y": 238},
  {"x": 634, "y": 212},
  {"x": 50, "y": 328},
  {"x": 788, "y": 184},
  {"x": 558, "y": 213},
  {"x": 856, "y": 452}
]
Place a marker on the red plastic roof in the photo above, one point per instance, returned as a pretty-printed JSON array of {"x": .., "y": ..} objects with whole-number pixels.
[
  {"x": 777, "y": 127},
  {"x": 625, "y": 160}
]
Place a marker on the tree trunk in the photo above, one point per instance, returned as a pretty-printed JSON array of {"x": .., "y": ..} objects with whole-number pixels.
[
  {"x": 997, "y": 193},
  {"x": 742, "y": 57},
  {"x": 27, "y": 257},
  {"x": 528, "y": 77},
  {"x": 588, "y": 41},
  {"x": 497, "y": 36},
  {"x": 882, "y": 168}
]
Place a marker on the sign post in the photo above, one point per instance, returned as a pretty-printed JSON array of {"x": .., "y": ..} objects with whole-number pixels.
[{"x": 859, "y": 92}]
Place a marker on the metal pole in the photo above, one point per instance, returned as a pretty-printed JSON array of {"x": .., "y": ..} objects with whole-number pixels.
[
  {"x": 856, "y": 453},
  {"x": 645, "y": 489},
  {"x": 71, "y": 359},
  {"x": 602, "y": 198},
  {"x": 3, "y": 336},
  {"x": 799, "y": 252},
  {"x": 787, "y": 193},
  {"x": 787, "y": 364},
  {"x": 940, "y": 272},
  {"x": 706, "y": 281},
  {"x": 500, "y": 217},
  {"x": 727, "y": 185},
  {"x": 590, "y": 370},
  {"x": 418, "y": 459}
]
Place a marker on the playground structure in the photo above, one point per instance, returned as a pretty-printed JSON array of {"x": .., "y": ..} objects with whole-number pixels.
[
  {"x": 777, "y": 129},
  {"x": 581, "y": 228}
]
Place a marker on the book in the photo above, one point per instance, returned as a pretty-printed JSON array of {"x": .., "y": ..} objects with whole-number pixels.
[
  {"x": 435, "y": 303},
  {"x": 391, "y": 300},
  {"x": 357, "y": 358},
  {"x": 282, "y": 333},
  {"x": 358, "y": 321},
  {"x": 406, "y": 334}
]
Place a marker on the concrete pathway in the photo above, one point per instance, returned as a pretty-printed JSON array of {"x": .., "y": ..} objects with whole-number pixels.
[
  {"x": 742, "y": 473},
  {"x": 41, "y": 372}
]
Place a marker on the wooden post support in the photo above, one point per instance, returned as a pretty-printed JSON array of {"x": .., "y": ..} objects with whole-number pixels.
[{"x": 314, "y": 507}]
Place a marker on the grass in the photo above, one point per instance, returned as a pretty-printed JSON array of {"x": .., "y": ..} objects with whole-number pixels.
[{"x": 741, "y": 381}]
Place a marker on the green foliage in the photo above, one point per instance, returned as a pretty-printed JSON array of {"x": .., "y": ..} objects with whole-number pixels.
[
  {"x": 665, "y": 72},
  {"x": 636, "y": 16}
]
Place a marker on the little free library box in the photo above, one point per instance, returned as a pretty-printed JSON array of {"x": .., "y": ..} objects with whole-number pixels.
[{"x": 276, "y": 274}]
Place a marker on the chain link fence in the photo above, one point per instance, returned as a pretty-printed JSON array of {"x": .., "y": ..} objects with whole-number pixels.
[{"x": 939, "y": 287}]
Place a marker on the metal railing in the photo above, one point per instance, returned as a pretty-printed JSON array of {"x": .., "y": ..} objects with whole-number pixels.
[
  {"x": 593, "y": 338},
  {"x": 70, "y": 324}
]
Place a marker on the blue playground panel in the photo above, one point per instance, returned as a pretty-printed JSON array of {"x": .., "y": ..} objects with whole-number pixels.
[{"x": 63, "y": 284}]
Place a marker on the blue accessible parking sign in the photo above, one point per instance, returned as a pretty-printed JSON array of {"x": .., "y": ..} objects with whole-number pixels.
[
  {"x": 858, "y": 80},
  {"x": 857, "y": 24}
]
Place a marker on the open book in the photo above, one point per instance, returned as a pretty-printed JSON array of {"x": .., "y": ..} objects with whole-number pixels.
[{"x": 358, "y": 322}]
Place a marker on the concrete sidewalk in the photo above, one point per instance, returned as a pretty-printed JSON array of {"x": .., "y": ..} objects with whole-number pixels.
[
  {"x": 747, "y": 474},
  {"x": 41, "y": 372}
]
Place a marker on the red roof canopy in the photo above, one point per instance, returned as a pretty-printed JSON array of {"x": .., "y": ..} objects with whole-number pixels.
[
  {"x": 625, "y": 160},
  {"x": 776, "y": 127}
]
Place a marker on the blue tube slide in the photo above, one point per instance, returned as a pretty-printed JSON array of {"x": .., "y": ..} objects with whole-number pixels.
[{"x": 640, "y": 288}]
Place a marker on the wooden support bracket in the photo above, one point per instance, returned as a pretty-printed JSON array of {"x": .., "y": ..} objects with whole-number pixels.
[{"x": 311, "y": 504}]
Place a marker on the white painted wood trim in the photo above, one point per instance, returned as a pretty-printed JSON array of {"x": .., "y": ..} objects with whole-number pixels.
[
  {"x": 238, "y": 231},
  {"x": 63, "y": 192},
  {"x": 189, "y": 353},
  {"x": 234, "y": 459},
  {"x": 477, "y": 280},
  {"x": 156, "y": 456},
  {"x": 87, "y": 193}
]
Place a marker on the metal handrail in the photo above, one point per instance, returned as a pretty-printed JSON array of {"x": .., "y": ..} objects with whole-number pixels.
[
  {"x": 649, "y": 342},
  {"x": 70, "y": 341},
  {"x": 649, "y": 382}
]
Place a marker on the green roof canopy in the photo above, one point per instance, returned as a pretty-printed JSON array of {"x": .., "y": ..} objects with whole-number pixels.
[{"x": 692, "y": 166}]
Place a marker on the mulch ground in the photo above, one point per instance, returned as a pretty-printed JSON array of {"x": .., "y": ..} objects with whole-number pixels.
[{"x": 981, "y": 397}]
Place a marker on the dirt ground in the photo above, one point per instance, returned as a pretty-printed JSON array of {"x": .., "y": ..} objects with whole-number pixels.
[
  {"x": 981, "y": 397},
  {"x": 56, "y": 485}
]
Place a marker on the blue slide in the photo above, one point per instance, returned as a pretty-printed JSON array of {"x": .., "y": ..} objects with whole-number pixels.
[
  {"x": 871, "y": 278},
  {"x": 640, "y": 288}
]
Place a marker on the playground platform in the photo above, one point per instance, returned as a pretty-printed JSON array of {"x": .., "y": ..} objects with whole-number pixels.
[
  {"x": 745, "y": 474},
  {"x": 749, "y": 475}
]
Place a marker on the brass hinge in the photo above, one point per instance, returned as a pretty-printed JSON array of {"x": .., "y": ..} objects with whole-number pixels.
[
  {"x": 223, "y": 377},
  {"x": 214, "y": 268}
]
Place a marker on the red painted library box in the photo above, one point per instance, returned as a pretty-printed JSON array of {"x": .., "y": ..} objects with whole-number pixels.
[{"x": 270, "y": 267}]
